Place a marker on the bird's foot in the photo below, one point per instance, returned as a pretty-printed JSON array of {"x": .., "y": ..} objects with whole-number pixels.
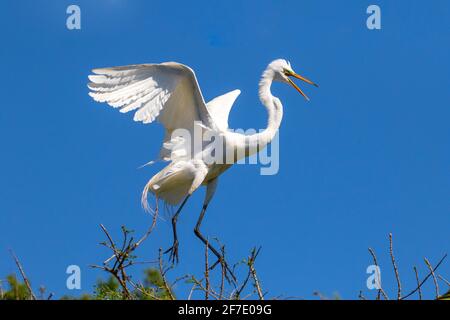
[{"x": 173, "y": 252}]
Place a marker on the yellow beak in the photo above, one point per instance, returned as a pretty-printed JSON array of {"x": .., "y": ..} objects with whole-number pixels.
[{"x": 292, "y": 83}]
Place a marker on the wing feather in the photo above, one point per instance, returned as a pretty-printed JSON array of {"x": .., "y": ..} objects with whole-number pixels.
[
  {"x": 166, "y": 92},
  {"x": 220, "y": 108}
]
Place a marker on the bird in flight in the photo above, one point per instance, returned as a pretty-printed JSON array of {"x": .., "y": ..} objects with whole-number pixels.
[{"x": 169, "y": 93}]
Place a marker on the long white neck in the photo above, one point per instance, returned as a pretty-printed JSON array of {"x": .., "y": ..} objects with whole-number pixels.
[
  {"x": 247, "y": 145},
  {"x": 273, "y": 106}
]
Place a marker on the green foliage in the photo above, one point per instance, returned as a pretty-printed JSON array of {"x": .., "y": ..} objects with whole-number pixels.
[
  {"x": 152, "y": 288},
  {"x": 107, "y": 290},
  {"x": 15, "y": 290},
  {"x": 445, "y": 296}
]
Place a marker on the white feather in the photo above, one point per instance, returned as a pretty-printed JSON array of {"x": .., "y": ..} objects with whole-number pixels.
[
  {"x": 220, "y": 108},
  {"x": 169, "y": 93}
]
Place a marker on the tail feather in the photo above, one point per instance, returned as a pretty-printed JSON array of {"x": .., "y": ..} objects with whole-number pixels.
[
  {"x": 175, "y": 182},
  {"x": 171, "y": 184}
]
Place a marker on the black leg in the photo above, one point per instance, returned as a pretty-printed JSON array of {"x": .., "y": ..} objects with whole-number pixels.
[
  {"x": 174, "y": 249},
  {"x": 213, "y": 250}
]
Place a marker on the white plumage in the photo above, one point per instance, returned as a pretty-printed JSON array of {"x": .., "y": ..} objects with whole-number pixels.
[
  {"x": 164, "y": 91},
  {"x": 220, "y": 108},
  {"x": 169, "y": 92}
]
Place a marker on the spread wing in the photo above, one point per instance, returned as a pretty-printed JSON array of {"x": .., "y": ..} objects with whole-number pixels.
[
  {"x": 220, "y": 107},
  {"x": 167, "y": 92}
]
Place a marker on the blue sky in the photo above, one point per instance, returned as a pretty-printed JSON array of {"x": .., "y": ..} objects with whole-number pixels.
[{"x": 367, "y": 156}]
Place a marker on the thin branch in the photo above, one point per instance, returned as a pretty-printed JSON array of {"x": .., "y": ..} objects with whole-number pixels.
[
  {"x": 426, "y": 278},
  {"x": 436, "y": 284},
  {"x": 121, "y": 281},
  {"x": 141, "y": 289},
  {"x": 123, "y": 256},
  {"x": 250, "y": 274},
  {"x": 112, "y": 244},
  {"x": 207, "y": 284},
  {"x": 135, "y": 245},
  {"x": 244, "y": 284},
  {"x": 223, "y": 273},
  {"x": 251, "y": 265},
  {"x": 24, "y": 277},
  {"x": 199, "y": 286},
  {"x": 394, "y": 264},
  {"x": 150, "y": 230},
  {"x": 192, "y": 291},
  {"x": 163, "y": 276},
  {"x": 418, "y": 284},
  {"x": 380, "y": 290},
  {"x": 179, "y": 279},
  {"x": 1, "y": 290},
  {"x": 445, "y": 280},
  {"x": 361, "y": 296},
  {"x": 320, "y": 295}
]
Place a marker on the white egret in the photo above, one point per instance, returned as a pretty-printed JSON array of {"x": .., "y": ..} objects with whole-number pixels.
[{"x": 169, "y": 92}]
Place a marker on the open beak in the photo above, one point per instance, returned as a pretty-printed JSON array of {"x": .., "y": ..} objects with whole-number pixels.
[{"x": 292, "y": 83}]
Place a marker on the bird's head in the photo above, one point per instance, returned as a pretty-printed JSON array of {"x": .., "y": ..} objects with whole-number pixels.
[{"x": 283, "y": 72}]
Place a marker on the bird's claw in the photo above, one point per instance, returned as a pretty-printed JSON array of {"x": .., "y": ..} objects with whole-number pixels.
[{"x": 173, "y": 252}]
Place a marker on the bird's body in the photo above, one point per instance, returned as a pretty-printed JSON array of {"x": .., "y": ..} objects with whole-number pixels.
[{"x": 169, "y": 93}]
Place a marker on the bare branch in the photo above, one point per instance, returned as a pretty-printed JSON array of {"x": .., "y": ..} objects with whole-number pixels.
[
  {"x": 1, "y": 290},
  {"x": 394, "y": 264},
  {"x": 426, "y": 278},
  {"x": 150, "y": 230},
  {"x": 207, "y": 284},
  {"x": 418, "y": 284},
  {"x": 192, "y": 291},
  {"x": 445, "y": 280},
  {"x": 361, "y": 296},
  {"x": 223, "y": 273},
  {"x": 24, "y": 277},
  {"x": 250, "y": 274},
  {"x": 163, "y": 276},
  {"x": 251, "y": 265},
  {"x": 199, "y": 286},
  {"x": 375, "y": 262},
  {"x": 123, "y": 257},
  {"x": 436, "y": 284}
]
